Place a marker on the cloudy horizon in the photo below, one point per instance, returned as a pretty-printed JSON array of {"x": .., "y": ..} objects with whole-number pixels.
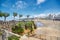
[{"x": 34, "y": 8}]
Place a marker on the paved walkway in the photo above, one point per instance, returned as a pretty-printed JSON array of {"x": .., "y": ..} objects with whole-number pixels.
[
  {"x": 32, "y": 38},
  {"x": 0, "y": 37},
  {"x": 28, "y": 38}
]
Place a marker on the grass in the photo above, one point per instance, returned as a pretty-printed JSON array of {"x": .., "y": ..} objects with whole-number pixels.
[{"x": 13, "y": 38}]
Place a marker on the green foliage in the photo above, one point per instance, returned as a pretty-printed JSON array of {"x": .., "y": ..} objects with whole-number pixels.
[
  {"x": 20, "y": 15},
  {"x": 14, "y": 14},
  {"x": 28, "y": 23},
  {"x": 13, "y": 38},
  {"x": 20, "y": 24},
  {"x": 34, "y": 25},
  {"x": 29, "y": 26},
  {"x": 0, "y": 33},
  {"x": 5, "y": 14},
  {"x": 28, "y": 16},
  {"x": 18, "y": 29},
  {"x": 0, "y": 14}
]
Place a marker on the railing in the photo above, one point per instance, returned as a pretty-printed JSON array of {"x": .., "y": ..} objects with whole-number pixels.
[{"x": 6, "y": 34}]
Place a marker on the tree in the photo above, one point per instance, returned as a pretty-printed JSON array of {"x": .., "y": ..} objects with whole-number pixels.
[
  {"x": 34, "y": 25},
  {"x": 20, "y": 16},
  {"x": 28, "y": 16},
  {"x": 1, "y": 14},
  {"x": 28, "y": 25},
  {"x": 18, "y": 29},
  {"x": 5, "y": 15},
  {"x": 14, "y": 14}
]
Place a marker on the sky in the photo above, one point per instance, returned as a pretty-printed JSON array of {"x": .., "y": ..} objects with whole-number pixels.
[{"x": 33, "y": 8}]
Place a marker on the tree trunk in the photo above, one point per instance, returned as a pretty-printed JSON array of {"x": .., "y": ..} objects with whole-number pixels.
[
  {"x": 4, "y": 19},
  {"x": 14, "y": 21}
]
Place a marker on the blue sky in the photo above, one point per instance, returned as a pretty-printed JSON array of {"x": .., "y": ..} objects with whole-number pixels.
[{"x": 30, "y": 7}]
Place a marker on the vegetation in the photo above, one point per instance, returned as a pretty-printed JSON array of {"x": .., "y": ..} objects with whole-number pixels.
[
  {"x": 34, "y": 25},
  {"x": 14, "y": 14},
  {"x": 28, "y": 25},
  {"x": 18, "y": 29},
  {"x": 20, "y": 16},
  {"x": 28, "y": 17},
  {"x": 0, "y": 33},
  {"x": 20, "y": 23},
  {"x": 0, "y": 14},
  {"x": 13, "y": 38},
  {"x": 4, "y": 14}
]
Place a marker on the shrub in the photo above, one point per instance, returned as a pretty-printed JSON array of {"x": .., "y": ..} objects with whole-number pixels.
[
  {"x": 0, "y": 33},
  {"x": 18, "y": 29},
  {"x": 13, "y": 38},
  {"x": 29, "y": 26}
]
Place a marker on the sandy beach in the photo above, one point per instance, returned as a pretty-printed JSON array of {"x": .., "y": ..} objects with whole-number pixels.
[{"x": 51, "y": 23}]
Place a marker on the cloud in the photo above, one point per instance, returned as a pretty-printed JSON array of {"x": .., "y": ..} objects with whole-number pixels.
[
  {"x": 20, "y": 5},
  {"x": 42, "y": 15},
  {"x": 37, "y": 4},
  {"x": 40, "y": 1}
]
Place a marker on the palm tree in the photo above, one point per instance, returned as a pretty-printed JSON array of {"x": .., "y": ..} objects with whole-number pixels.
[
  {"x": 20, "y": 16},
  {"x": 5, "y": 15},
  {"x": 14, "y": 14},
  {"x": 0, "y": 14},
  {"x": 28, "y": 16}
]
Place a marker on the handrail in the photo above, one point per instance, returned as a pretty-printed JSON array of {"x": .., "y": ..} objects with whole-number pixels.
[{"x": 8, "y": 32}]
